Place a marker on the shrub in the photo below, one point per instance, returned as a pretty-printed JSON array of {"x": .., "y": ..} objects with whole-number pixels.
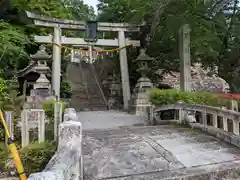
[
  {"x": 161, "y": 97},
  {"x": 3, "y": 155},
  {"x": 36, "y": 156},
  {"x": 49, "y": 107},
  {"x": 65, "y": 87},
  {"x": 1, "y": 132}
]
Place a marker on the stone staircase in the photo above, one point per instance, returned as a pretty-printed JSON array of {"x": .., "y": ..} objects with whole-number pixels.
[{"x": 86, "y": 92}]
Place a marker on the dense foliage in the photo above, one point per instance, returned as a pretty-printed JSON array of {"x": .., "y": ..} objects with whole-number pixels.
[
  {"x": 214, "y": 31},
  {"x": 16, "y": 31},
  {"x": 36, "y": 156},
  {"x": 163, "y": 97},
  {"x": 48, "y": 107},
  {"x": 214, "y": 35}
]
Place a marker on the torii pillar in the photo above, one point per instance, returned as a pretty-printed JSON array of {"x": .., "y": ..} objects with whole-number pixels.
[
  {"x": 124, "y": 70},
  {"x": 56, "y": 63}
]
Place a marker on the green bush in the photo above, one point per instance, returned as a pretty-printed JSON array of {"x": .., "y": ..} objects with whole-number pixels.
[
  {"x": 161, "y": 97},
  {"x": 3, "y": 155},
  {"x": 65, "y": 87},
  {"x": 36, "y": 156},
  {"x": 49, "y": 107},
  {"x": 1, "y": 132}
]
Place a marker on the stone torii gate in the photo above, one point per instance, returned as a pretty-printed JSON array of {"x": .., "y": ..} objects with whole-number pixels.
[{"x": 57, "y": 40}]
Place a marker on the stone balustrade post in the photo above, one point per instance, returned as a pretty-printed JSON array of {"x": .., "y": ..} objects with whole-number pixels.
[
  {"x": 236, "y": 127},
  {"x": 225, "y": 123},
  {"x": 204, "y": 118},
  {"x": 214, "y": 119},
  {"x": 181, "y": 115},
  {"x": 10, "y": 125},
  {"x": 234, "y": 105}
]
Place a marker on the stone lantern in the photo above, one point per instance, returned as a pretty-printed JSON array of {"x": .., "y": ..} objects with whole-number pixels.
[
  {"x": 41, "y": 57},
  {"x": 115, "y": 86},
  {"x": 143, "y": 87},
  {"x": 114, "y": 92},
  {"x": 142, "y": 61},
  {"x": 42, "y": 82},
  {"x": 42, "y": 85}
]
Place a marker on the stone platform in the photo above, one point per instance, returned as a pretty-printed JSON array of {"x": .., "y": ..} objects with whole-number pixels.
[{"x": 157, "y": 152}]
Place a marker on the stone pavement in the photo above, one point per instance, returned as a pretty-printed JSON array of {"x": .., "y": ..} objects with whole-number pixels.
[
  {"x": 154, "y": 152},
  {"x": 107, "y": 119}
]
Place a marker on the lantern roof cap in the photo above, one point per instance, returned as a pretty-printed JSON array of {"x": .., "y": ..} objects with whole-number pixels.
[
  {"x": 41, "y": 54},
  {"x": 42, "y": 79},
  {"x": 143, "y": 56}
]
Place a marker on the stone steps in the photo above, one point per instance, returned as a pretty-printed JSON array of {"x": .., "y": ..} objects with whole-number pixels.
[{"x": 83, "y": 85}]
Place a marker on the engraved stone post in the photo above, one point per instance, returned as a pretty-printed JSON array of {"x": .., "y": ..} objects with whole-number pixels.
[
  {"x": 124, "y": 69},
  {"x": 24, "y": 128},
  {"x": 185, "y": 61},
  {"x": 57, "y": 118},
  {"x": 9, "y": 122},
  {"x": 41, "y": 126}
]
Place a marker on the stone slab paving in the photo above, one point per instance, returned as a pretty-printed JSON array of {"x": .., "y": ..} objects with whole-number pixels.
[
  {"x": 107, "y": 119},
  {"x": 151, "y": 153}
]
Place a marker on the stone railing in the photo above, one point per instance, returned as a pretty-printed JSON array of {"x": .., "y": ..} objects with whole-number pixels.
[
  {"x": 220, "y": 122},
  {"x": 67, "y": 163}
]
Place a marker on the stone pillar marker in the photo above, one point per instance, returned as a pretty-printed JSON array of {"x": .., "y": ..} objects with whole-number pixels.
[
  {"x": 56, "y": 64},
  {"x": 185, "y": 58},
  {"x": 124, "y": 70}
]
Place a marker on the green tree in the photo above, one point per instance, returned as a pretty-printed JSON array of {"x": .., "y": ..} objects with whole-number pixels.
[
  {"x": 16, "y": 39},
  {"x": 79, "y": 10},
  {"x": 214, "y": 31}
]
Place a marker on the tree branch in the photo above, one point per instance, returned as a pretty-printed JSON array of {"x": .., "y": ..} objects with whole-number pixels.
[{"x": 3, "y": 53}]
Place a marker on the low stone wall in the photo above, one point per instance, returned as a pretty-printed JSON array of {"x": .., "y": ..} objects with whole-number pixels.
[
  {"x": 222, "y": 123},
  {"x": 219, "y": 133},
  {"x": 67, "y": 163}
]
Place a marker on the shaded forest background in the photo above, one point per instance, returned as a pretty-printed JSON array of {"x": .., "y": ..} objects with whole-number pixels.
[{"x": 215, "y": 31}]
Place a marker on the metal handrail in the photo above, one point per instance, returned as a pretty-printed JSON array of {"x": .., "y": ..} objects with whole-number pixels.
[
  {"x": 98, "y": 84},
  {"x": 85, "y": 86}
]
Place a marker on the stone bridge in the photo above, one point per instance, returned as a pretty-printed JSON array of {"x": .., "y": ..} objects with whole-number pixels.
[{"x": 118, "y": 146}]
